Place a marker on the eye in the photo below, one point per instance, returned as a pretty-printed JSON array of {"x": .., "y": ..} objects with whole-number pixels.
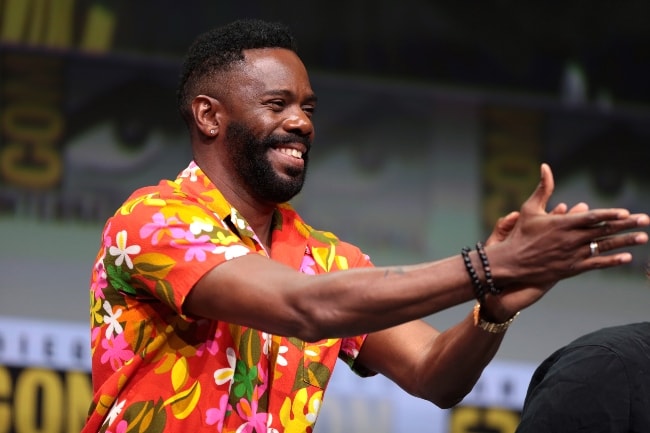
[
  {"x": 309, "y": 109},
  {"x": 277, "y": 104}
]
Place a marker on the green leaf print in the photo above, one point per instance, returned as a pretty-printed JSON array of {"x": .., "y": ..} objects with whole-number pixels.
[
  {"x": 314, "y": 374},
  {"x": 250, "y": 347},
  {"x": 297, "y": 342},
  {"x": 165, "y": 292},
  {"x": 244, "y": 380},
  {"x": 318, "y": 374},
  {"x": 119, "y": 279}
]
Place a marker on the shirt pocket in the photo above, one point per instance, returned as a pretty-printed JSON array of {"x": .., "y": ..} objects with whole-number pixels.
[{"x": 318, "y": 360}]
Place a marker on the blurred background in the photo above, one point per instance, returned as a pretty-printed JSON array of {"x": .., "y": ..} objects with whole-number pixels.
[{"x": 433, "y": 119}]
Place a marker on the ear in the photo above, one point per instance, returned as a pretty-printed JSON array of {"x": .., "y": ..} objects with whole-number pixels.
[{"x": 207, "y": 115}]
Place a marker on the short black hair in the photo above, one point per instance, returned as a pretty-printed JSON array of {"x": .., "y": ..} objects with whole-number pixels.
[{"x": 219, "y": 49}]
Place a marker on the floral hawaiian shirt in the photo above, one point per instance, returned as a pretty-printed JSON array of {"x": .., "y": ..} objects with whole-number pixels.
[{"x": 155, "y": 369}]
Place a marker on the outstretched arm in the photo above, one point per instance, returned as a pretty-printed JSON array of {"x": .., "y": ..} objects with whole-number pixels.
[{"x": 540, "y": 249}]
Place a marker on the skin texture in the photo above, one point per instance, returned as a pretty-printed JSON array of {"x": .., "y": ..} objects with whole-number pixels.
[{"x": 529, "y": 250}]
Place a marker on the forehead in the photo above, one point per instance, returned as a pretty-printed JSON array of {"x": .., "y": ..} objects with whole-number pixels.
[{"x": 271, "y": 69}]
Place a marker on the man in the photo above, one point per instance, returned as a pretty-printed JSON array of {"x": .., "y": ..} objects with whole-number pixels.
[
  {"x": 598, "y": 383},
  {"x": 215, "y": 306}
]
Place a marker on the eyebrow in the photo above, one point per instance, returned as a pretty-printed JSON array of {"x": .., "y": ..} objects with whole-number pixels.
[{"x": 287, "y": 94}]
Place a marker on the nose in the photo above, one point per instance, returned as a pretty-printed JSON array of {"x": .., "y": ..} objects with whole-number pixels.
[{"x": 298, "y": 122}]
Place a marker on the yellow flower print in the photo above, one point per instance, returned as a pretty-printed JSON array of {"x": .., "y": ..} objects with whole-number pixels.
[
  {"x": 95, "y": 306},
  {"x": 148, "y": 200},
  {"x": 293, "y": 415},
  {"x": 226, "y": 237},
  {"x": 313, "y": 350}
]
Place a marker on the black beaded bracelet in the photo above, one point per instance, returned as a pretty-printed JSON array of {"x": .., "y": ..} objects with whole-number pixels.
[
  {"x": 479, "y": 290},
  {"x": 480, "y": 248}
]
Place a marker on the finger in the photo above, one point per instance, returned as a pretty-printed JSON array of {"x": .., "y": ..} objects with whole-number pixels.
[
  {"x": 538, "y": 201},
  {"x": 598, "y": 247},
  {"x": 601, "y": 219},
  {"x": 608, "y": 227},
  {"x": 508, "y": 222},
  {"x": 607, "y": 261},
  {"x": 503, "y": 227},
  {"x": 560, "y": 209},
  {"x": 579, "y": 207}
]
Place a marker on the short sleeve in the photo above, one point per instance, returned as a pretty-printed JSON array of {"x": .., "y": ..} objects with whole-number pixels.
[
  {"x": 351, "y": 346},
  {"x": 160, "y": 247}
]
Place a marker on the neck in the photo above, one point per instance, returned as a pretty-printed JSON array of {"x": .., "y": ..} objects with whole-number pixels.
[{"x": 258, "y": 214}]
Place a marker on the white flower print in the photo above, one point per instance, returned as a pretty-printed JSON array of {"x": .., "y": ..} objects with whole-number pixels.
[
  {"x": 281, "y": 360},
  {"x": 269, "y": 422},
  {"x": 191, "y": 172},
  {"x": 122, "y": 251},
  {"x": 111, "y": 320},
  {"x": 311, "y": 416},
  {"x": 200, "y": 225},
  {"x": 114, "y": 412},
  {"x": 266, "y": 347},
  {"x": 239, "y": 222},
  {"x": 231, "y": 251},
  {"x": 225, "y": 375}
]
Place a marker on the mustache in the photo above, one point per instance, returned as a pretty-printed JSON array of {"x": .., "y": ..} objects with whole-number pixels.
[{"x": 274, "y": 140}]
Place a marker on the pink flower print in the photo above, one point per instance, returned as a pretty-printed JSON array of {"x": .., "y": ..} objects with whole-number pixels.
[
  {"x": 349, "y": 348},
  {"x": 216, "y": 415},
  {"x": 255, "y": 422},
  {"x": 94, "y": 333},
  {"x": 99, "y": 281},
  {"x": 120, "y": 428},
  {"x": 107, "y": 239},
  {"x": 212, "y": 346},
  {"x": 159, "y": 227},
  {"x": 196, "y": 247},
  {"x": 262, "y": 374},
  {"x": 306, "y": 267},
  {"x": 117, "y": 351}
]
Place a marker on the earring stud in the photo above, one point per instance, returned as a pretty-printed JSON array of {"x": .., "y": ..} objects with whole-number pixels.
[{"x": 212, "y": 132}]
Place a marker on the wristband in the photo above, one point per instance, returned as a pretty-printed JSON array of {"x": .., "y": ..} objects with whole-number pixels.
[{"x": 479, "y": 290}]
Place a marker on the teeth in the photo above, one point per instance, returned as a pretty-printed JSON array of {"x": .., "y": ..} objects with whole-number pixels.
[{"x": 293, "y": 152}]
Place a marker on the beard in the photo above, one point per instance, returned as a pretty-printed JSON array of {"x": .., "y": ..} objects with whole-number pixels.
[{"x": 249, "y": 158}]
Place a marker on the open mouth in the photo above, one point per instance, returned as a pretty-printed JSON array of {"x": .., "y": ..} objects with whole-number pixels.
[{"x": 290, "y": 152}]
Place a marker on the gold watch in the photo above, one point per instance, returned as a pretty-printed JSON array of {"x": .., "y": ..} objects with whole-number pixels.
[{"x": 495, "y": 328}]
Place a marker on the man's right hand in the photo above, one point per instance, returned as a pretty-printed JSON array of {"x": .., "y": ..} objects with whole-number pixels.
[{"x": 530, "y": 251}]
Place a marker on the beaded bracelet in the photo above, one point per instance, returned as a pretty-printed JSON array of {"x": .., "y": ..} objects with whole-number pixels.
[
  {"x": 480, "y": 248},
  {"x": 476, "y": 281}
]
